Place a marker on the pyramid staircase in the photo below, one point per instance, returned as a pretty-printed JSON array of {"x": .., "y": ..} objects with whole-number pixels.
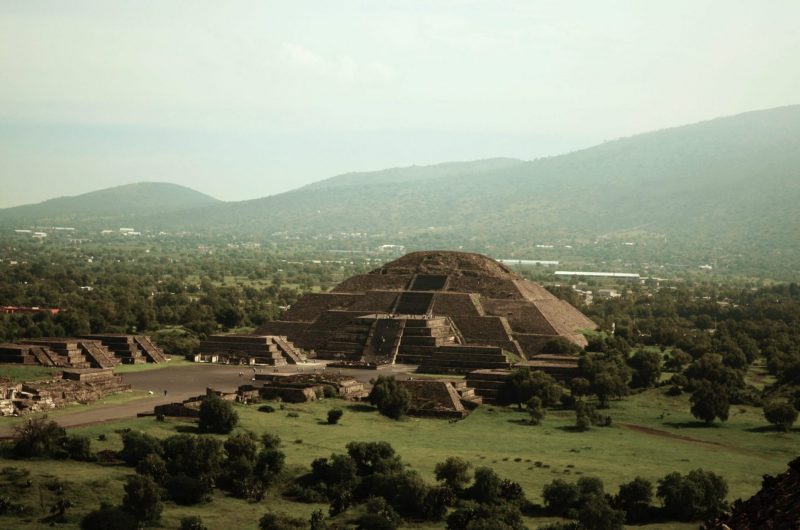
[
  {"x": 150, "y": 350},
  {"x": 413, "y": 303},
  {"x": 421, "y": 337},
  {"x": 292, "y": 354},
  {"x": 130, "y": 349},
  {"x": 383, "y": 340},
  {"x": 70, "y": 352},
  {"x": 463, "y": 358},
  {"x": 250, "y": 349}
]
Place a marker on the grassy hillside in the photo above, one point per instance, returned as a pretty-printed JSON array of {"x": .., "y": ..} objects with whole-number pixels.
[
  {"x": 652, "y": 436},
  {"x": 122, "y": 202}
]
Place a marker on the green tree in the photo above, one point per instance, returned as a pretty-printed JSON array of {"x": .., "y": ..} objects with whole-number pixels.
[
  {"x": 454, "y": 472},
  {"x": 142, "y": 498},
  {"x": 389, "y": 397},
  {"x": 646, "y": 366},
  {"x": 109, "y": 517},
  {"x": 535, "y": 410},
  {"x": 709, "y": 401},
  {"x": 334, "y": 415},
  {"x": 217, "y": 415},
  {"x": 781, "y": 414},
  {"x": 697, "y": 495},
  {"x": 635, "y": 498}
]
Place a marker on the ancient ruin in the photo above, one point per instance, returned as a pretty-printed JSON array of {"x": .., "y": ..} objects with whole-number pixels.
[
  {"x": 72, "y": 386},
  {"x": 248, "y": 349},
  {"x": 91, "y": 351},
  {"x": 445, "y": 311}
]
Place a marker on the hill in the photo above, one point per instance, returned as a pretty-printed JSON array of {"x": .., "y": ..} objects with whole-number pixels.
[
  {"x": 129, "y": 201},
  {"x": 731, "y": 182}
]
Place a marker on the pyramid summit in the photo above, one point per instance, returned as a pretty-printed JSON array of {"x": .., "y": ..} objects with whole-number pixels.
[{"x": 430, "y": 308}]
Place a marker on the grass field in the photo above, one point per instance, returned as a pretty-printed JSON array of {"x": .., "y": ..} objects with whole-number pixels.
[
  {"x": 18, "y": 372},
  {"x": 145, "y": 367},
  {"x": 652, "y": 435}
]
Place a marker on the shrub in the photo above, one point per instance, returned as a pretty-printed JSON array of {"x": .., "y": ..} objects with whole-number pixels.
[
  {"x": 486, "y": 487},
  {"x": 454, "y": 472},
  {"x": 217, "y": 415},
  {"x": 535, "y": 410},
  {"x": 292, "y": 414},
  {"x": 192, "y": 522},
  {"x": 136, "y": 445},
  {"x": 109, "y": 517},
  {"x": 152, "y": 466},
  {"x": 374, "y": 457},
  {"x": 635, "y": 498},
  {"x": 266, "y": 408},
  {"x": 39, "y": 437},
  {"x": 279, "y": 521},
  {"x": 389, "y": 397},
  {"x": 142, "y": 498},
  {"x": 781, "y": 415},
  {"x": 709, "y": 401},
  {"x": 195, "y": 456},
  {"x": 79, "y": 447},
  {"x": 374, "y": 521},
  {"x": 697, "y": 495},
  {"x": 329, "y": 391},
  {"x": 334, "y": 415},
  {"x": 595, "y": 513},
  {"x": 188, "y": 490},
  {"x": 560, "y": 496}
]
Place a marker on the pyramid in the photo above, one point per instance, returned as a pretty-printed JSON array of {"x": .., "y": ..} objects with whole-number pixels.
[{"x": 453, "y": 305}]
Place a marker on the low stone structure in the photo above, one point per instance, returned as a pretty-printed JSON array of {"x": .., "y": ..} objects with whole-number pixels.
[
  {"x": 130, "y": 349},
  {"x": 77, "y": 353},
  {"x": 73, "y": 386},
  {"x": 561, "y": 367},
  {"x": 269, "y": 350},
  {"x": 300, "y": 388},
  {"x": 439, "y": 398}
]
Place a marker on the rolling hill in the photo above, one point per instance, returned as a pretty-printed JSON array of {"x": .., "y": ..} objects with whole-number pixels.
[
  {"x": 731, "y": 184},
  {"x": 129, "y": 201}
]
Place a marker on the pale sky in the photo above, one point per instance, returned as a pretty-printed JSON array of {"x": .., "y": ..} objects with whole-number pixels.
[{"x": 243, "y": 99}]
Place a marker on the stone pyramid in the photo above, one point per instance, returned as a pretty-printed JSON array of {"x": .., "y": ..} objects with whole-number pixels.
[{"x": 453, "y": 303}]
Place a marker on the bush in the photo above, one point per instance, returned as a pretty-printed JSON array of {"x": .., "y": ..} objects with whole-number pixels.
[
  {"x": 697, "y": 495},
  {"x": 39, "y": 437},
  {"x": 136, "y": 445},
  {"x": 334, "y": 415},
  {"x": 142, "y": 498},
  {"x": 266, "y": 408},
  {"x": 187, "y": 490},
  {"x": 192, "y": 522},
  {"x": 472, "y": 516},
  {"x": 486, "y": 487},
  {"x": 782, "y": 415},
  {"x": 329, "y": 391},
  {"x": 535, "y": 410},
  {"x": 279, "y": 521},
  {"x": 596, "y": 514},
  {"x": 560, "y": 496},
  {"x": 217, "y": 415},
  {"x": 635, "y": 498},
  {"x": 109, "y": 517},
  {"x": 389, "y": 397},
  {"x": 373, "y": 521},
  {"x": 454, "y": 472},
  {"x": 152, "y": 466},
  {"x": 195, "y": 456},
  {"x": 79, "y": 447}
]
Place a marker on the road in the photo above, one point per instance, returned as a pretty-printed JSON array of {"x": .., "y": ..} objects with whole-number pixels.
[{"x": 183, "y": 382}]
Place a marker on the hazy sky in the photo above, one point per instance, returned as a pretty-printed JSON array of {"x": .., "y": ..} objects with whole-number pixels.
[{"x": 244, "y": 99}]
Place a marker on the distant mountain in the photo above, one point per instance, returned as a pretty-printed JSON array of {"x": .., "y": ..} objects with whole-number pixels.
[
  {"x": 129, "y": 201},
  {"x": 731, "y": 182}
]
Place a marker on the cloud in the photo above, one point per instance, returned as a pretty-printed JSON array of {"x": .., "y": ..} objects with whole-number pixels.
[{"x": 343, "y": 68}]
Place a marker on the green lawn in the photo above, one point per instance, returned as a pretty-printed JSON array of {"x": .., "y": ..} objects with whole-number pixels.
[
  {"x": 20, "y": 372},
  {"x": 145, "y": 367},
  {"x": 741, "y": 450}
]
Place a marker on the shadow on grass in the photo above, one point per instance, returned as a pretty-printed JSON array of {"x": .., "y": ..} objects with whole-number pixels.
[
  {"x": 691, "y": 425},
  {"x": 360, "y": 408},
  {"x": 187, "y": 428},
  {"x": 570, "y": 428},
  {"x": 773, "y": 429},
  {"x": 523, "y": 422}
]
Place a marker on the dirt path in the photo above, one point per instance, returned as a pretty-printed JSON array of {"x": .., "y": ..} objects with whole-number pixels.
[
  {"x": 181, "y": 383},
  {"x": 666, "y": 434}
]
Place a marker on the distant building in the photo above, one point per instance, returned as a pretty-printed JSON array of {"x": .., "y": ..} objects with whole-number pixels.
[
  {"x": 548, "y": 263},
  {"x": 623, "y": 275},
  {"x": 12, "y": 310}
]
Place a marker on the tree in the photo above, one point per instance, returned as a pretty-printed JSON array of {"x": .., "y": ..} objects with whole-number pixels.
[
  {"x": 136, "y": 445},
  {"x": 646, "y": 366},
  {"x": 697, "y": 495},
  {"x": 560, "y": 497},
  {"x": 217, "y": 415},
  {"x": 781, "y": 414},
  {"x": 39, "y": 437},
  {"x": 391, "y": 399},
  {"x": 709, "y": 401},
  {"x": 109, "y": 517},
  {"x": 374, "y": 457},
  {"x": 334, "y": 415},
  {"x": 525, "y": 384},
  {"x": 192, "y": 522},
  {"x": 634, "y": 498},
  {"x": 535, "y": 410},
  {"x": 142, "y": 498},
  {"x": 584, "y": 415},
  {"x": 454, "y": 472},
  {"x": 152, "y": 466},
  {"x": 595, "y": 513}
]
